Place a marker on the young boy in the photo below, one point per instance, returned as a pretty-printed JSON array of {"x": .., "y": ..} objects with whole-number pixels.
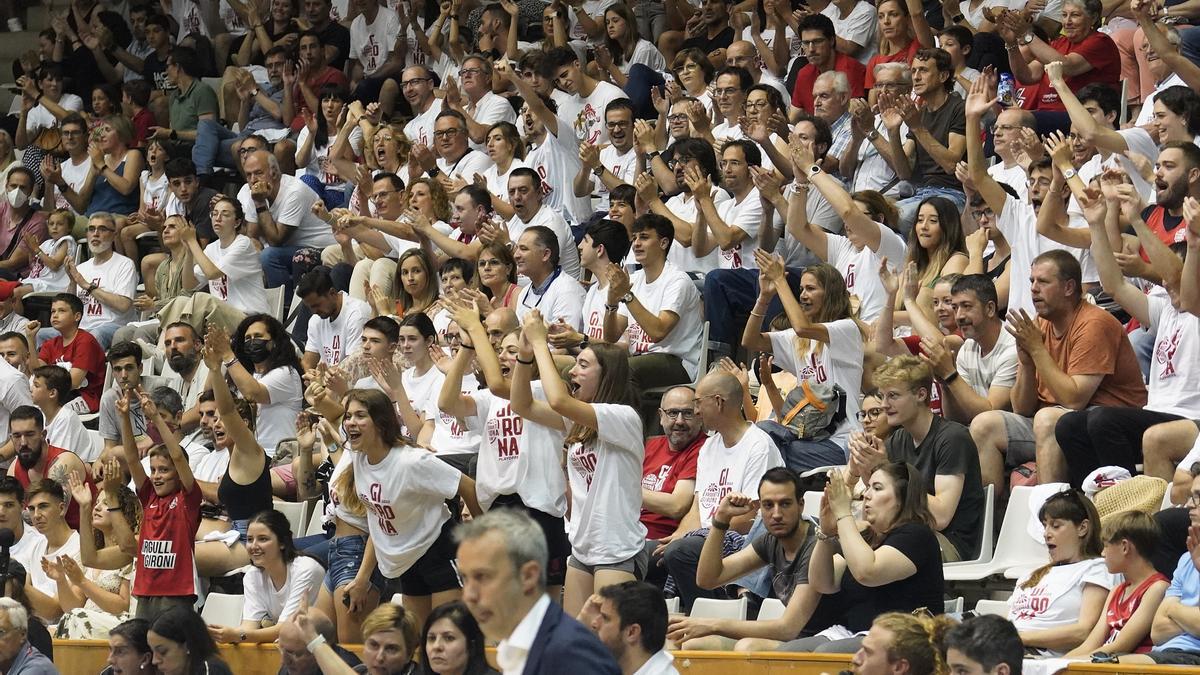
[
  {"x": 957, "y": 41},
  {"x": 1124, "y": 628}
]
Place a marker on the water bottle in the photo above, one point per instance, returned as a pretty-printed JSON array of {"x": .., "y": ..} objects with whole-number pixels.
[{"x": 1006, "y": 91}]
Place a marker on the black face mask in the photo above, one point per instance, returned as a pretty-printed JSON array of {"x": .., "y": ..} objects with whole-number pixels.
[
  {"x": 257, "y": 349},
  {"x": 181, "y": 363}
]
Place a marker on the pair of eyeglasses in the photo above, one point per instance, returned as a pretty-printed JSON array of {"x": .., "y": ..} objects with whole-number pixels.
[
  {"x": 680, "y": 413},
  {"x": 869, "y": 414}
]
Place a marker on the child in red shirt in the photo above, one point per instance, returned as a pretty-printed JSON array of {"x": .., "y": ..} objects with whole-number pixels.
[{"x": 170, "y": 496}]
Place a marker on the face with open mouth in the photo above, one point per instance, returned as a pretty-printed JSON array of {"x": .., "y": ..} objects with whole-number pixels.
[
  {"x": 360, "y": 429},
  {"x": 124, "y": 658},
  {"x": 585, "y": 375},
  {"x": 163, "y": 476},
  {"x": 221, "y": 439},
  {"x": 1063, "y": 538},
  {"x": 509, "y": 348}
]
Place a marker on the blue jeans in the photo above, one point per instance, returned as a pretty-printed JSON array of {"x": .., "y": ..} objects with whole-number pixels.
[
  {"x": 316, "y": 545},
  {"x": 1143, "y": 347},
  {"x": 729, "y": 296},
  {"x": 277, "y": 266},
  {"x": 638, "y": 84},
  {"x": 214, "y": 145},
  {"x": 908, "y": 207},
  {"x": 332, "y": 198},
  {"x": 1189, "y": 44}
]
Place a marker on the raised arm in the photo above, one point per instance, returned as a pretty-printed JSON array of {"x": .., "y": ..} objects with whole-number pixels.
[
  {"x": 178, "y": 456},
  {"x": 1103, "y": 137},
  {"x": 559, "y": 403},
  {"x": 133, "y": 460}
]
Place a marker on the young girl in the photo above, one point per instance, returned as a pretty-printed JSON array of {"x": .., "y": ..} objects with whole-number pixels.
[
  {"x": 507, "y": 152},
  {"x": 94, "y": 592},
  {"x": 824, "y": 344},
  {"x": 422, "y": 380},
  {"x": 520, "y": 465},
  {"x": 604, "y": 457},
  {"x": 48, "y": 273},
  {"x": 937, "y": 247},
  {"x": 416, "y": 286},
  {"x": 280, "y": 581},
  {"x": 166, "y": 575},
  {"x": 1124, "y": 628},
  {"x": 1057, "y": 605},
  {"x": 624, "y": 47},
  {"x": 231, "y": 264},
  {"x": 314, "y": 144},
  {"x": 405, "y": 489},
  {"x": 153, "y": 186}
]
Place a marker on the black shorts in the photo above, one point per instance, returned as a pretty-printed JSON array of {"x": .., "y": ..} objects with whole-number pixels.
[
  {"x": 435, "y": 571},
  {"x": 1175, "y": 657},
  {"x": 555, "y": 529}
]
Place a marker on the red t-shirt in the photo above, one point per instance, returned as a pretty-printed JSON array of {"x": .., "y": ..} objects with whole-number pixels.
[
  {"x": 330, "y": 74},
  {"x": 166, "y": 562},
  {"x": 661, "y": 470},
  {"x": 83, "y": 353},
  {"x": 141, "y": 127},
  {"x": 1123, "y": 603},
  {"x": 802, "y": 96},
  {"x": 1169, "y": 229},
  {"x": 903, "y": 56},
  {"x": 1097, "y": 49},
  {"x": 52, "y": 454}
]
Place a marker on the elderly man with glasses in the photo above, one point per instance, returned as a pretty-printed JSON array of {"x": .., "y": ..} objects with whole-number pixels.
[{"x": 480, "y": 107}]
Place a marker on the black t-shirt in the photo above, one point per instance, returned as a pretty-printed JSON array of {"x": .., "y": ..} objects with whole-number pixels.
[
  {"x": 154, "y": 70},
  {"x": 337, "y": 35},
  {"x": 722, "y": 41},
  {"x": 948, "y": 119},
  {"x": 917, "y": 542},
  {"x": 948, "y": 450},
  {"x": 39, "y": 637}
]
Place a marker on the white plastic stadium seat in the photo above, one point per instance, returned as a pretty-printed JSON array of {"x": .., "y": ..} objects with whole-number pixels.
[
  {"x": 993, "y": 607},
  {"x": 989, "y": 526},
  {"x": 672, "y": 605},
  {"x": 954, "y": 606},
  {"x": 812, "y": 504},
  {"x": 1014, "y": 547},
  {"x": 295, "y": 515},
  {"x": 221, "y": 609},
  {"x": 708, "y": 608},
  {"x": 772, "y": 608}
]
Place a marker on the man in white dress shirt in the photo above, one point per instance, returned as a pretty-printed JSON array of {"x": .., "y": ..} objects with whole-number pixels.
[
  {"x": 502, "y": 562},
  {"x": 630, "y": 618}
]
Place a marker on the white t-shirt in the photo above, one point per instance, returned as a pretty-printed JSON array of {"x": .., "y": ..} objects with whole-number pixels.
[
  {"x": 1175, "y": 367},
  {"x": 497, "y": 183},
  {"x": 28, "y": 550},
  {"x": 277, "y": 419},
  {"x": 320, "y": 167},
  {"x": 419, "y": 129},
  {"x": 586, "y": 115},
  {"x": 645, "y": 53},
  {"x": 606, "y": 488},
  {"x": 517, "y": 458},
  {"x": 242, "y": 286},
  {"x": 66, "y": 431},
  {"x": 745, "y": 215},
  {"x": 232, "y": 20},
  {"x": 1018, "y": 223},
  {"x": 335, "y": 339},
  {"x": 406, "y": 494},
  {"x": 672, "y": 291},
  {"x": 594, "y": 9},
  {"x": 1056, "y": 600},
  {"x": 860, "y": 269},
  {"x": 474, "y": 162},
  {"x": 39, "y": 117},
  {"x": 1013, "y": 176},
  {"x": 593, "y": 312},
  {"x": 42, "y": 277},
  {"x": 452, "y": 436},
  {"x": 292, "y": 206},
  {"x": 839, "y": 362},
  {"x": 623, "y": 165},
  {"x": 74, "y": 175},
  {"x": 858, "y": 27},
  {"x": 684, "y": 207},
  {"x": 556, "y": 161},
  {"x": 738, "y": 468},
  {"x": 339, "y": 511},
  {"x": 371, "y": 44},
  {"x": 264, "y": 602},
  {"x": 116, "y": 275},
  {"x": 422, "y": 389},
  {"x": 154, "y": 190},
  {"x": 568, "y": 250},
  {"x": 1146, "y": 114},
  {"x": 14, "y": 393},
  {"x": 187, "y": 15},
  {"x": 562, "y": 299},
  {"x": 210, "y": 467},
  {"x": 37, "y": 576},
  {"x": 492, "y": 108},
  {"x": 996, "y": 369}
]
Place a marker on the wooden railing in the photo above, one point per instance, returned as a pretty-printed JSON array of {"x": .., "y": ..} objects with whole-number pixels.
[{"x": 86, "y": 657}]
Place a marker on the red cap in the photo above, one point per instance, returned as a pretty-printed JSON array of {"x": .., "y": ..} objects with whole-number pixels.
[{"x": 7, "y": 288}]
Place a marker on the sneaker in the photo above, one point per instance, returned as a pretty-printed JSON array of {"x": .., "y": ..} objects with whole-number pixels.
[{"x": 14, "y": 25}]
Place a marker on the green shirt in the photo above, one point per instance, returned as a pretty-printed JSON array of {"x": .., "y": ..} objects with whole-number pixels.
[{"x": 188, "y": 105}]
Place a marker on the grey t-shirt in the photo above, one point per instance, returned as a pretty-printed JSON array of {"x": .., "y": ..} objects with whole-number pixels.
[
  {"x": 786, "y": 574},
  {"x": 110, "y": 425},
  {"x": 948, "y": 450}
]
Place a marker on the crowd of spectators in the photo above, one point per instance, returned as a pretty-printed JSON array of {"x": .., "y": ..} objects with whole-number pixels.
[{"x": 647, "y": 273}]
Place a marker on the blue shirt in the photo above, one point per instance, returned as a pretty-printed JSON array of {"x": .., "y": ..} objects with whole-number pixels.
[{"x": 1185, "y": 585}]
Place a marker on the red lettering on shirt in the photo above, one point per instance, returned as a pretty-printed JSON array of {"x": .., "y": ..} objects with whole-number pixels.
[
  {"x": 382, "y": 510},
  {"x": 1164, "y": 353},
  {"x": 583, "y": 460},
  {"x": 504, "y": 432}
]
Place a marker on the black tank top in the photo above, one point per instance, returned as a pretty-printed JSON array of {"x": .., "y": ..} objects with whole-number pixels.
[{"x": 242, "y": 502}]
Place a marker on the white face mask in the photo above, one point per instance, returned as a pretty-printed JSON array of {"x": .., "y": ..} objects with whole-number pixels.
[{"x": 17, "y": 197}]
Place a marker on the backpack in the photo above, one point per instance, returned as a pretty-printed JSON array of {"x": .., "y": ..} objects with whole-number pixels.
[{"x": 815, "y": 410}]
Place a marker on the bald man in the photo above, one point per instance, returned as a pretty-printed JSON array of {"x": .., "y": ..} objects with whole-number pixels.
[
  {"x": 745, "y": 55},
  {"x": 733, "y": 459},
  {"x": 293, "y": 648}
]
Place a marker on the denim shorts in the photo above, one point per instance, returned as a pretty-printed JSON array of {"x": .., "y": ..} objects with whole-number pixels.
[
  {"x": 242, "y": 526},
  {"x": 345, "y": 557}
]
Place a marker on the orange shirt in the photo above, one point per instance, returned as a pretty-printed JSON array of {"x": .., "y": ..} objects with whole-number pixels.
[{"x": 1095, "y": 344}]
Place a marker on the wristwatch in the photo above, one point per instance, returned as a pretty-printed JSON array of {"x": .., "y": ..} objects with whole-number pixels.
[
  {"x": 598, "y": 171},
  {"x": 627, "y": 298},
  {"x": 1026, "y": 38},
  {"x": 957, "y": 18},
  {"x": 1069, "y": 174},
  {"x": 813, "y": 170}
]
